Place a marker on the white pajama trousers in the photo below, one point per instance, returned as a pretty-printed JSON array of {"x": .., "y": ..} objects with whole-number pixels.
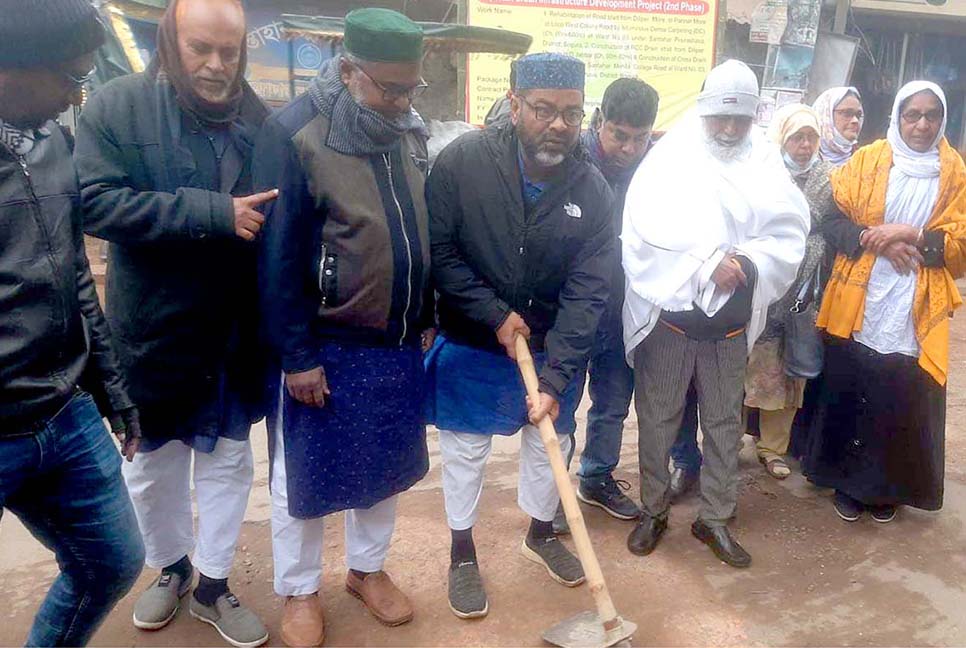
[
  {"x": 464, "y": 460},
  {"x": 160, "y": 486},
  {"x": 297, "y": 544}
]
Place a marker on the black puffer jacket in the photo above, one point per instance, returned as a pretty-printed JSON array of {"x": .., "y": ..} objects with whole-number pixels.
[
  {"x": 491, "y": 254},
  {"x": 53, "y": 336}
]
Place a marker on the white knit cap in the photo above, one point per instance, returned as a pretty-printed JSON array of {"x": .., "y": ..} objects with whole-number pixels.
[{"x": 729, "y": 89}]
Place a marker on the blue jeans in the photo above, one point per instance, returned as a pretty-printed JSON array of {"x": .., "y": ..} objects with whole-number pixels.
[
  {"x": 685, "y": 451},
  {"x": 611, "y": 389},
  {"x": 65, "y": 485}
]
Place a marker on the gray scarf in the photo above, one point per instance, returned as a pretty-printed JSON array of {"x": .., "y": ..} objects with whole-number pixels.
[{"x": 356, "y": 130}]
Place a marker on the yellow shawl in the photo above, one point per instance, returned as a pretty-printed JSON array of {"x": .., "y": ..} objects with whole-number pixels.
[{"x": 860, "y": 188}]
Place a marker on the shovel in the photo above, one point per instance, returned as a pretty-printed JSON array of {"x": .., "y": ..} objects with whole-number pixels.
[{"x": 585, "y": 630}]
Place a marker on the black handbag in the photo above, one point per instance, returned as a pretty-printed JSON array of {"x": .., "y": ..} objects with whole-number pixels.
[{"x": 804, "y": 352}]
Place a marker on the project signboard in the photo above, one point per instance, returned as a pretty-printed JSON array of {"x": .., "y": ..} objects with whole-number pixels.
[{"x": 668, "y": 43}]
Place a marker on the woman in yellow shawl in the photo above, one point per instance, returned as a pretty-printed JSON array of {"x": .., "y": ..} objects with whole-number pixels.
[{"x": 901, "y": 242}]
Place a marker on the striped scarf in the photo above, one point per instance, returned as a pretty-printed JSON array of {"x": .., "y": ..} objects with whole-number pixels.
[
  {"x": 356, "y": 130},
  {"x": 20, "y": 141}
]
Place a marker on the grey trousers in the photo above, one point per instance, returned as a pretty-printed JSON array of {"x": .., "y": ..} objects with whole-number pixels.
[{"x": 665, "y": 364}]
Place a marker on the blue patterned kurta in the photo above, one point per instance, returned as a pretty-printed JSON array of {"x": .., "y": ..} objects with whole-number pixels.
[{"x": 368, "y": 442}]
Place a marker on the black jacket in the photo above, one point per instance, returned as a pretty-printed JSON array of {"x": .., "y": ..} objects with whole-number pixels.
[
  {"x": 181, "y": 286},
  {"x": 53, "y": 336},
  {"x": 491, "y": 254}
]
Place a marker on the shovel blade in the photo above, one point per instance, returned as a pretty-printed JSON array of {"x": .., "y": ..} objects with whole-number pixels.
[{"x": 586, "y": 630}]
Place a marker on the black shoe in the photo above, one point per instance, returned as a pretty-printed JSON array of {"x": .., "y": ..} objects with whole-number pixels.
[
  {"x": 682, "y": 481},
  {"x": 562, "y": 565},
  {"x": 646, "y": 534},
  {"x": 560, "y": 524},
  {"x": 467, "y": 598},
  {"x": 722, "y": 544},
  {"x": 606, "y": 493},
  {"x": 883, "y": 514},
  {"x": 847, "y": 508}
]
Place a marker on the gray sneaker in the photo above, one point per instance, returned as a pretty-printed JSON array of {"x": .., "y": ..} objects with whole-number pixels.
[
  {"x": 234, "y": 622},
  {"x": 160, "y": 602},
  {"x": 562, "y": 565},
  {"x": 467, "y": 598}
]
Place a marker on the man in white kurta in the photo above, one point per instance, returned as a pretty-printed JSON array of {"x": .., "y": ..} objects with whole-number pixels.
[{"x": 714, "y": 232}]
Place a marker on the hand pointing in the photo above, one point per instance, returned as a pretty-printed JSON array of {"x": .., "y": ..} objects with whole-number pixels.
[{"x": 248, "y": 220}]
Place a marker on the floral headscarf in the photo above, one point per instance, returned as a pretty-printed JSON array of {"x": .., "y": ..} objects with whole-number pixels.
[{"x": 834, "y": 146}]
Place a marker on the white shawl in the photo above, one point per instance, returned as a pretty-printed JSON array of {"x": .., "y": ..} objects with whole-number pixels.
[{"x": 685, "y": 210}]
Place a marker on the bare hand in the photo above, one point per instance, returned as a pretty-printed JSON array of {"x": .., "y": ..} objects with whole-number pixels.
[
  {"x": 507, "y": 333},
  {"x": 547, "y": 405},
  {"x": 728, "y": 275},
  {"x": 248, "y": 220},
  {"x": 427, "y": 339},
  {"x": 126, "y": 426},
  {"x": 905, "y": 258},
  {"x": 881, "y": 236},
  {"x": 308, "y": 387}
]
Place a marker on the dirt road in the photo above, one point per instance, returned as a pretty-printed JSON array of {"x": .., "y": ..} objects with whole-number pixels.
[{"x": 815, "y": 580}]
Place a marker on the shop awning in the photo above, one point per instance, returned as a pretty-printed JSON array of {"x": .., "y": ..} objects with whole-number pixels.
[{"x": 437, "y": 36}]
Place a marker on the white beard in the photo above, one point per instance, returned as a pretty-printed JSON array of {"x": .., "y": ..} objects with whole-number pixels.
[
  {"x": 726, "y": 151},
  {"x": 548, "y": 160}
]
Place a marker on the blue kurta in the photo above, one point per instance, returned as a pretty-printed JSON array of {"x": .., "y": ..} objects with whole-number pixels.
[
  {"x": 481, "y": 392},
  {"x": 367, "y": 443}
]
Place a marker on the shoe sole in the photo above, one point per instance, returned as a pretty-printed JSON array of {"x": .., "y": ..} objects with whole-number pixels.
[
  {"x": 479, "y": 614},
  {"x": 707, "y": 540},
  {"x": 157, "y": 625},
  {"x": 610, "y": 511},
  {"x": 845, "y": 517},
  {"x": 884, "y": 521},
  {"x": 533, "y": 556},
  {"x": 390, "y": 623},
  {"x": 234, "y": 642}
]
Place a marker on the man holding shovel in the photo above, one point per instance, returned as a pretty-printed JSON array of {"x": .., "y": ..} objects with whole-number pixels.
[{"x": 523, "y": 243}]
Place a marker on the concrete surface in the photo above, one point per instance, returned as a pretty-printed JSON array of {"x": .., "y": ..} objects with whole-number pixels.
[{"x": 815, "y": 581}]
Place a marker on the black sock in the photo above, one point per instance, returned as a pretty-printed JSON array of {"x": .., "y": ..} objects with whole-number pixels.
[
  {"x": 209, "y": 589},
  {"x": 182, "y": 568},
  {"x": 463, "y": 549},
  {"x": 540, "y": 529}
]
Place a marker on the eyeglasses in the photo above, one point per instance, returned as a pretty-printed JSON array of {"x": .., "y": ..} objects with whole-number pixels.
[
  {"x": 573, "y": 117},
  {"x": 850, "y": 114},
  {"x": 913, "y": 116},
  {"x": 392, "y": 93},
  {"x": 803, "y": 136},
  {"x": 80, "y": 81}
]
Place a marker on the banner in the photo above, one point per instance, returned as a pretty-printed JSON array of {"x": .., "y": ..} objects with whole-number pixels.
[{"x": 667, "y": 43}]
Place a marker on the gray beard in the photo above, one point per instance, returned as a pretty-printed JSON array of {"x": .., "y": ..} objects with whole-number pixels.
[
  {"x": 728, "y": 152},
  {"x": 545, "y": 159}
]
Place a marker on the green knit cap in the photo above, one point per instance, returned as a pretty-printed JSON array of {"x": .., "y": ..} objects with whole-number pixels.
[{"x": 383, "y": 36}]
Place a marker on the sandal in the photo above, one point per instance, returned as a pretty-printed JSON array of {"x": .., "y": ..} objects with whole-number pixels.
[{"x": 776, "y": 467}]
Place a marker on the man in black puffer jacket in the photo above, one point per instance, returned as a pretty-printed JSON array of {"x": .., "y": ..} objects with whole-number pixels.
[
  {"x": 521, "y": 228},
  {"x": 59, "y": 468}
]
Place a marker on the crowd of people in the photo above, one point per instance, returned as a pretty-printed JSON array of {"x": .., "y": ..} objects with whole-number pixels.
[{"x": 306, "y": 266}]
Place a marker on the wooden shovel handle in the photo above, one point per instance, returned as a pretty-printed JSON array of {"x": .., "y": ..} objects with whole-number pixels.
[{"x": 585, "y": 550}]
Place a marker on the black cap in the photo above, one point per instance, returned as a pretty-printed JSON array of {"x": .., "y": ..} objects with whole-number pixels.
[{"x": 42, "y": 32}]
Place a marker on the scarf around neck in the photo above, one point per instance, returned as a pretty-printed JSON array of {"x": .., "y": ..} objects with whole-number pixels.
[
  {"x": 21, "y": 141},
  {"x": 356, "y": 130}
]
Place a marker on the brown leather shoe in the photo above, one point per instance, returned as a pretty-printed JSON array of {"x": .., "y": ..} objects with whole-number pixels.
[
  {"x": 381, "y": 596},
  {"x": 302, "y": 621}
]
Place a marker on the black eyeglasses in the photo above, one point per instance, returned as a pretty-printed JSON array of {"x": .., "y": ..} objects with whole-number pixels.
[
  {"x": 850, "y": 114},
  {"x": 392, "y": 93},
  {"x": 573, "y": 117},
  {"x": 80, "y": 81},
  {"x": 913, "y": 116}
]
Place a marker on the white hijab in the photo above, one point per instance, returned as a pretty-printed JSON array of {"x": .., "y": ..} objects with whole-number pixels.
[
  {"x": 911, "y": 196},
  {"x": 685, "y": 209}
]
